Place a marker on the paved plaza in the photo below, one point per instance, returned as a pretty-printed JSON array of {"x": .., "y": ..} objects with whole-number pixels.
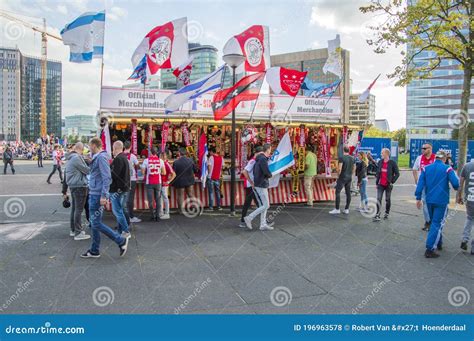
[{"x": 312, "y": 263}]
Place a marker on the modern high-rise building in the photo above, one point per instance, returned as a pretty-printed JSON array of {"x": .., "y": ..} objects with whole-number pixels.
[
  {"x": 20, "y": 103},
  {"x": 10, "y": 85},
  {"x": 313, "y": 62},
  {"x": 31, "y": 98},
  {"x": 382, "y": 124},
  {"x": 361, "y": 113},
  {"x": 80, "y": 125},
  {"x": 432, "y": 103}
]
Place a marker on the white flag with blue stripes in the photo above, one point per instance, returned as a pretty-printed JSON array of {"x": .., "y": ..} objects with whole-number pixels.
[
  {"x": 85, "y": 37},
  {"x": 189, "y": 92},
  {"x": 281, "y": 159}
]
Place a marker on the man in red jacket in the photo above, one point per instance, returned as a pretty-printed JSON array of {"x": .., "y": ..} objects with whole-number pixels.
[{"x": 215, "y": 164}]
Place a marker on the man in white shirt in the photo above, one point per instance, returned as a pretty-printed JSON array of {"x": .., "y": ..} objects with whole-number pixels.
[
  {"x": 247, "y": 172},
  {"x": 134, "y": 164}
]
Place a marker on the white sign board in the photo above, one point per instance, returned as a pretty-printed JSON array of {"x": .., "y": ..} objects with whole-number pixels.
[{"x": 131, "y": 102}]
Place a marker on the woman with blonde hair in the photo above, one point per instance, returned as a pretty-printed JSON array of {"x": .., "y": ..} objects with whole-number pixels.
[{"x": 361, "y": 173}]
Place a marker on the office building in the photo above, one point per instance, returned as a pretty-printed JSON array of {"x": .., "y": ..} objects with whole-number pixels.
[
  {"x": 313, "y": 62},
  {"x": 10, "y": 86},
  {"x": 382, "y": 124},
  {"x": 361, "y": 113},
  {"x": 80, "y": 125}
]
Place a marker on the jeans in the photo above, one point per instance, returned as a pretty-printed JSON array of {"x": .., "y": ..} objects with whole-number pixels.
[
  {"x": 214, "y": 190},
  {"x": 125, "y": 207},
  {"x": 363, "y": 192},
  {"x": 388, "y": 194},
  {"x": 249, "y": 196},
  {"x": 153, "y": 193},
  {"x": 466, "y": 235},
  {"x": 308, "y": 188},
  {"x": 118, "y": 206},
  {"x": 11, "y": 167},
  {"x": 346, "y": 184},
  {"x": 180, "y": 196},
  {"x": 131, "y": 198},
  {"x": 78, "y": 195},
  {"x": 40, "y": 161},
  {"x": 56, "y": 168},
  {"x": 166, "y": 201},
  {"x": 97, "y": 226},
  {"x": 438, "y": 215},
  {"x": 261, "y": 194}
]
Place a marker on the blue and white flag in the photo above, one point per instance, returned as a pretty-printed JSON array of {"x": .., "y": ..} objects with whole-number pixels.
[
  {"x": 208, "y": 83},
  {"x": 140, "y": 71},
  {"x": 281, "y": 159},
  {"x": 327, "y": 90},
  {"x": 85, "y": 37}
]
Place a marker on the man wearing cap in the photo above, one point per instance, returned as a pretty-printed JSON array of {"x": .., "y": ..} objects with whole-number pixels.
[{"x": 434, "y": 180}]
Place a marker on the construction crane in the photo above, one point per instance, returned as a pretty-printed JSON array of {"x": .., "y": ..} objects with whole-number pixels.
[{"x": 44, "y": 63}]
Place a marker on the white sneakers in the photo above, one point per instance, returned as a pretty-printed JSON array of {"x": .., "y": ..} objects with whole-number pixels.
[
  {"x": 266, "y": 228},
  {"x": 71, "y": 234},
  {"x": 135, "y": 220},
  {"x": 165, "y": 216},
  {"x": 126, "y": 234},
  {"x": 346, "y": 211},
  {"x": 82, "y": 236},
  {"x": 248, "y": 222},
  {"x": 336, "y": 211}
]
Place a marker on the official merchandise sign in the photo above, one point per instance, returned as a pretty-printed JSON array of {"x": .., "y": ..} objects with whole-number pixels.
[{"x": 268, "y": 107}]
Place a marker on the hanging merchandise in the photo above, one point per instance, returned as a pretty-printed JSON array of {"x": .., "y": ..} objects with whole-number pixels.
[
  {"x": 295, "y": 180},
  {"x": 268, "y": 133},
  {"x": 345, "y": 132},
  {"x": 165, "y": 128},
  {"x": 187, "y": 140},
  {"x": 249, "y": 135},
  {"x": 301, "y": 148},
  {"x": 325, "y": 151},
  {"x": 134, "y": 137},
  {"x": 150, "y": 137}
]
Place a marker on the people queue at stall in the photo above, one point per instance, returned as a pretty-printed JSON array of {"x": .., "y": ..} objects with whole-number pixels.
[{"x": 93, "y": 180}]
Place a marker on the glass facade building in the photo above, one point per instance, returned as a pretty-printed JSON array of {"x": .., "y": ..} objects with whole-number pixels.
[
  {"x": 361, "y": 113},
  {"x": 31, "y": 98},
  {"x": 10, "y": 81}
]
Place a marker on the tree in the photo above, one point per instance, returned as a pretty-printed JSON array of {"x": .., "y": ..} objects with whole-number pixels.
[
  {"x": 400, "y": 135},
  {"x": 373, "y": 131},
  {"x": 470, "y": 132},
  {"x": 442, "y": 27}
]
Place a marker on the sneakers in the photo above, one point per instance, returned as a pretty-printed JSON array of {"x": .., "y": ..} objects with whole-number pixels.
[
  {"x": 346, "y": 211},
  {"x": 431, "y": 254},
  {"x": 266, "y": 228},
  {"x": 248, "y": 222},
  {"x": 218, "y": 208},
  {"x": 427, "y": 226},
  {"x": 126, "y": 234},
  {"x": 335, "y": 211},
  {"x": 47, "y": 181},
  {"x": 464, "y": 246},
  {"x": 242, "y": 224},
  {"x": 89, "y": 254},
  {"x": 124, "y": 247},
  {"x": 165, "y": 216},
  {"x": 135, "y": 220},
  {"x": 72, "y": 234},
  {"x": 377, "y": 218},
  {"x": 385, "y": 216},
  {"x": 440, "y": 247},
  {"x": 82, "y": 236}
]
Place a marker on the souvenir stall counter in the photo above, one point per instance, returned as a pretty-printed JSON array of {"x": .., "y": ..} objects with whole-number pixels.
[{"x": 325, "y": 139}]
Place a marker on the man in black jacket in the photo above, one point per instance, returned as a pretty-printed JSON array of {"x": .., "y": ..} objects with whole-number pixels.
[
  {"x": 184, "y": 167},
  {"x": 119, "y": 187},
  {"x": 261, "y": 174},
  {"x": 387, "y": 175},
  {"x": 8, "y": 159}
]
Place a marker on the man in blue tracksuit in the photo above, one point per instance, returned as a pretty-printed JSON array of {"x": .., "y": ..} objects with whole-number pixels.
[{"x": 435, "y": 179}]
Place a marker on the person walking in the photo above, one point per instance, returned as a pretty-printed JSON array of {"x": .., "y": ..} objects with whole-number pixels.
[
  {"x": 39, "y": 155},
  {"x": 426, "y": 158},
  {"x": 345, "y": 170},
  {"x": 57, "y": 155},
  {"x": 185, "y": 168},
  {"x": 8, "y": 160},
  {"x": 215, "y": 165},
  {"x": 362, "y": 180},
  {"x": 247, "y": 174},
  {"x": 75, "y": 177},
  {"x": 261, "y": 174},
  {"x": 167, "y": 178},
  {"x": 133, "y": 164},
  {"x": 119, "y": 187},
  {"x": 310, "y": 171},
  {"x": 153, "y": 168},
  {"x": 435, "y": 180},
  {"x": 387, "y": 174},
  {"x": 465, "y": 196},
  {"x": 99, "y": 184}
]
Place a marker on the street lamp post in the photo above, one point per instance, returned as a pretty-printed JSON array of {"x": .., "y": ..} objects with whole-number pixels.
[{"x": 233, "y": 60}]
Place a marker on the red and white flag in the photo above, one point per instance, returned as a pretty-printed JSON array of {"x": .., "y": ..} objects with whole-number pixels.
[
  {"x": 165, "y": 47},
  {"x": 287, "y": 80},
  {"x": 363, "y": 97},
  {"x": 254, "y": 44},
  {"x": 183, "y": 72}
]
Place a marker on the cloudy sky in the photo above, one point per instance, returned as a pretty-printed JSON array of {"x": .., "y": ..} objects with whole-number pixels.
[{"x": 294, "y": 26}]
